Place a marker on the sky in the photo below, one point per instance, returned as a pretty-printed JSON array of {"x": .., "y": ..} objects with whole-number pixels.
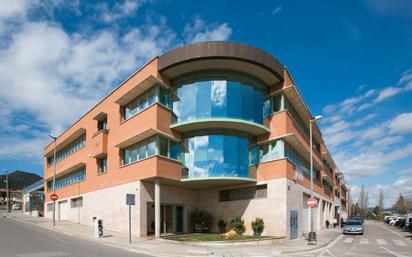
[{"x": 351, "y": 60}]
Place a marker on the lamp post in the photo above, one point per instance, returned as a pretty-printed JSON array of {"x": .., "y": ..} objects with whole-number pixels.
[
  {"x": 7, "y": 191},
  {"x": 312, "y": 233},
  {"x": 54, "y": 177}
]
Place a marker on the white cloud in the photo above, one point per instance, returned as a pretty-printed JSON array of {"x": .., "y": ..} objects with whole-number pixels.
[
  {"x": 109, "y": 14},
  {"x": 387, "y": 92},
  {"x": 50, "y": 76},
  {"x": 200, "y": 31},
  {"x": 401, "y": 123},
  {"x": 277, "y": 10}
]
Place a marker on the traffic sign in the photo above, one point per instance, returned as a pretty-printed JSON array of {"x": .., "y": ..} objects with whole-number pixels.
[
  {"x": 54, "y": 197},
  {"x": 312, "y": 202},
  {"x": 130, "y": 199}
]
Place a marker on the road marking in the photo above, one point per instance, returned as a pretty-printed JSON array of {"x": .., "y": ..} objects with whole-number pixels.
[
  {"x": 393, "y": 253},
  {"x": 399, "y": 242},
  {"x": 348, "y": 240},
  {"x": 381, "y": 241},
  {"x": 364, "y": 241},
  {"x": 43, "y": 254}
]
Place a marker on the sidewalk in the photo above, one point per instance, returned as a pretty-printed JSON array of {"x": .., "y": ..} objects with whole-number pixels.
[{"x": 169, "y": 248}]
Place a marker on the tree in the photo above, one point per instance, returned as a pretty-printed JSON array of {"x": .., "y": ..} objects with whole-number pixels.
[
  {"x": 380, "y": 199},
  {"x": 400, "y": 205},
  {"x": 363, "y": 199}
]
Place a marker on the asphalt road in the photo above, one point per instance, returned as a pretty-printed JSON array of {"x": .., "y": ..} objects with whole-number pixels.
[
  {"x": 378, "y": 240},
  {"x": 19, "y": 239}
]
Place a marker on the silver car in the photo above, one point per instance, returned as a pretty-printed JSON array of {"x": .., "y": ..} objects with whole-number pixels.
[{"x": 353, "y": 227}]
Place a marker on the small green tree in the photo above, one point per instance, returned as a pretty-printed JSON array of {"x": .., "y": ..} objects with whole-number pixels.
[
  {"x": 238, "y": 225},
  {"x": 221, "y": 223},
  {"x": 200, "y": 220},
  {"x": 258, "y": 226},
  {"x": 400, "y": 205}
]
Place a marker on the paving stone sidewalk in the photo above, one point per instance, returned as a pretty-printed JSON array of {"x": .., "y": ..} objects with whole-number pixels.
[{"x": 164, "y": 247}]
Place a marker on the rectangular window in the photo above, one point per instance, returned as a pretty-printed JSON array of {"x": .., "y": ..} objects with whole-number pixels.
[
  {"x": 277, "y": 103},
  {"x": 163, "y": 146},
  {"x": 102, "y": 124},
  {"x": 149, "y": 147},
  {"x": 77, "y": 202},
  {"x": 146, "y": 99},
  {"x": 68, "y": 150},
  {"x": 69, "y": 179},
  {"x": 244, "y": 193},
  {"x": 102, "y": 165},
  {"x": 49, "y": 207},
  {"x": 253, "y": 156}
]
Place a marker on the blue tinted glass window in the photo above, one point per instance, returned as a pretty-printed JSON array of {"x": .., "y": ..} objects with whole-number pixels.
[
  {"x": 217, "y": 156},
  {"x": 218, "y": 99}
]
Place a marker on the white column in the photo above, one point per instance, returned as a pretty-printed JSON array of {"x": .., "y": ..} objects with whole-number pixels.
[{"x": 157, "y": 208}]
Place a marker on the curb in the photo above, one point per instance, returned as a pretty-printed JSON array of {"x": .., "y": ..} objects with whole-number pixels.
[{"x": 316, "y": 248}]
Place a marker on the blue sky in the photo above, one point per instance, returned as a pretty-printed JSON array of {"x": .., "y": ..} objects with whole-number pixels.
[{"x": 352, "y": 61}]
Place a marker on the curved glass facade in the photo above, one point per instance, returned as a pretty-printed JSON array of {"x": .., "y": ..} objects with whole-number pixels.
[
  {"x": 216, "y": 155},
  {"x": 219, "y": 97}
]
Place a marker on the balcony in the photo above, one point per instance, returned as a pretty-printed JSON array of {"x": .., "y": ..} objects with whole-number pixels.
[{"x": 99, "y": 144}]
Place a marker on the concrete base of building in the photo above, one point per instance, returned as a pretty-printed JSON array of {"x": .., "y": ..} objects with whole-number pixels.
[{"x": 283, "y": 209}]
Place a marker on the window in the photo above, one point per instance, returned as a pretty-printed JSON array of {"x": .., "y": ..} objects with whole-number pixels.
[
  {"x": 102, "y": 124},
  {"x": 68, "y": 150},
  {"x": 149, "y": 147},
  {"x": 102, "y": 165},
  {"x": 77, "y": 202},
  {"x": 146, "y": 99},
  {"x": 244, "y": 193},
  {"x": 219, "y": 96},
  {"x": 49, "y": 207},
  {"x": 69, "y": 179}
]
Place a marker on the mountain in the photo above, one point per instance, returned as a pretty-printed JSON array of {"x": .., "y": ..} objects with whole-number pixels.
[{"x": 19, "y": 179}]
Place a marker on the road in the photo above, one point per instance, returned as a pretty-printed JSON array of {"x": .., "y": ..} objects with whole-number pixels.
[
  {"x": 378, "y": 240},
  {"x": 19, "y": 239}
]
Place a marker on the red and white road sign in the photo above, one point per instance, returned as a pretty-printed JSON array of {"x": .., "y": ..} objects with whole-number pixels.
[
  {"x": 54, "y": 197},
  {"x": 312, "y": 202}
]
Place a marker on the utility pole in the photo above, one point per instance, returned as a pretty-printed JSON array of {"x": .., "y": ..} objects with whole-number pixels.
[
  {"x": 54, "y": 177},
  {"x": 312, "y": 235},
  {"x": 8, "y": 192}
]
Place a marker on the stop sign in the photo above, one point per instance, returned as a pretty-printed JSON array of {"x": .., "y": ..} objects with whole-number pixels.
[
  {"x": 312, "y": 202},
  {"x": 54, "y": 197}
]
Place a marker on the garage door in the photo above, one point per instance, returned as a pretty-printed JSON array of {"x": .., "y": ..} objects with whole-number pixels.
[{"x": 63, "y": 210}]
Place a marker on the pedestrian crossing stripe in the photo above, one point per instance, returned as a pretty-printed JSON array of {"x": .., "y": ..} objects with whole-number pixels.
[
  {"x": 399, "y": 242},
  {"x": 348, "y": 240},
  {"x": 364, "y": 241},
  {"x": 381, "y": 242}
]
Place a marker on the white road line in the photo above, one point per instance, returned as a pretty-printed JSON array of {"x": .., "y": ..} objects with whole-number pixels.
[
  {"x": 393, "y": 253},
  {"x": 348, "y": 240},
  {"x": 381, "y": 241},
  {"x": 43, "y": 254},
  {"x": 364, "y": 241},
  {"x": 399, "y": 242}
]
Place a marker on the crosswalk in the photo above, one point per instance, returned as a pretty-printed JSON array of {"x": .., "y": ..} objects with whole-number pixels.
[{"x": 378, "y": 241}]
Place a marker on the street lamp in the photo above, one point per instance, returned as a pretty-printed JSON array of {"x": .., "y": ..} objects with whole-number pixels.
[
  {"x": 54, "y": 177},
  {"x": 312, "y": 233},
  {"x": 7, "y": 191}
]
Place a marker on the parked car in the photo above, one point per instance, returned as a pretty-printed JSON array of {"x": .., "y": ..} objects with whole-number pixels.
[
  {"x": 387, "y": 219},
  {"x": 400, "y": 222},
  {"x": 408, "y": 222},
  {"x": 393, "y": 221},
  {"x": 354, "y": 226},
  {"x": 16, "y": 206},
  {"x": 356, "y": 218}
]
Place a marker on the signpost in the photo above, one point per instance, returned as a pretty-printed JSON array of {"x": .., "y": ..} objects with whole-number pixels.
[
  {"x": 312, "y": 202},
  {"x": 54, "y": 197},
  {"x": 130, "y": 200}
]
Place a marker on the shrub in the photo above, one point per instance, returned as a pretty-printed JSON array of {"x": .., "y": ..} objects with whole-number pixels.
[
  {"x": 200, "y": 220},
  {"x": 238, "y": 225},
  {"x": 258, "y": 226},
  {"x": 221, "y": 223}
]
